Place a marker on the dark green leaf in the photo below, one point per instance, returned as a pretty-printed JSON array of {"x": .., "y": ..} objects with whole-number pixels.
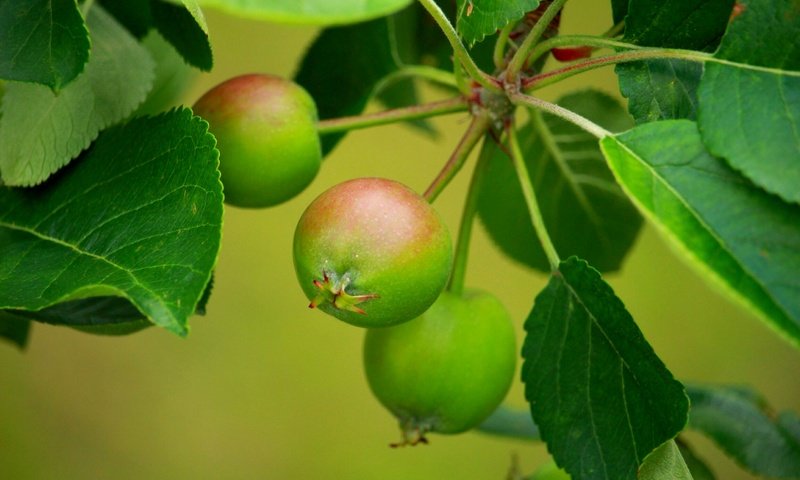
[
  {"x": 665, "y": 463},
  {"x": 735, "y": 233},
  {"x": 619, "y": 9},
  {"x": 752, "y": 117},
  {"x": 14, "y": 329},
  {"x": 42, "y": 41},
  {"x": 584, "y": 210},
  {"x": 479, "y": 18},
  {"x": 134, "y": 15},
  {"x": 319, "y": 12},
  {"x": 747, "y": 431},
  {"x": 601, "y": 397},
  {"x": 343, "y": 67},
  {"x": 666, "y": 89},
  {"x": 181, "y": 28},
  {"x": 41, "y": 132},
  {"x": 698, "y": 468},
  {"x": 138, "y": 215},
  {"x": 98, "y": 315}
]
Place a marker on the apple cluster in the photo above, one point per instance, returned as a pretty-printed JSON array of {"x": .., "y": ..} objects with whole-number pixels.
[{"x": 372, "y": 253}]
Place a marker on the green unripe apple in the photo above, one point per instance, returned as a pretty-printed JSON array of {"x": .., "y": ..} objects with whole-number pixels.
[
  {"x": 372, "y": 252},
  {"x": 266, "y": 130},
  {"x": 447, "y": 370}
]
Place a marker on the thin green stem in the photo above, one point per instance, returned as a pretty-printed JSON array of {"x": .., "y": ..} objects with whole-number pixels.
[
  {"x": 499, "y": 54},
  {"x": 342, "y": 124},
  {"x": 424, "y": 72},
  {"x": 530, "y": 199},
  {"x": 459, "y": 271},
  {"x": 520, "y": 58},
  {"x": 475, "y": 131},
  {"x": 568, "y": 115},
  {"x": 578, "y": 40},
  {"x": 615, "y": 30},
  {"x": 459, "y": 49}
]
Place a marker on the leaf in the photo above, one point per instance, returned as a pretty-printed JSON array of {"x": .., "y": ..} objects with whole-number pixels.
[
  {"x": 316, "y": 12},
  {"x": 584, "y": 210},
  {"x": 744, "y": 239},
  {"x": 667, "y": 89},
  {"x": 752, "y": 117},
  {"x": 98, "y": 315},
  {"x": 138, "y": 216},
  {"x": 619, "y": 9},
  {"x": 697, "y": 467},
  {"x": 172, "y": 76},
  {"x": 344, "y": 65},
  {"x": 747, "y": 430},
  {"x": 184, "y": 31},
  {"x": 14, "y": 329},
  {"x": 601, "y": 397},
  {"x": 665, "y": 463},
  {"x": 479, "y": 18},
  {"x": 43, "y": 41},
  {"x": 134, "y": 15},
  {"x": 41, "y": 132}
]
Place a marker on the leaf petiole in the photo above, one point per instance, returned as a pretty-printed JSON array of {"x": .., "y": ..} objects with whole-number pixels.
[
  {"x": 343, "y": 124},
  {"x": 530, "y": 199},
  {"x": 553, "y": 109},
  {"x": 520, "y": 58}
]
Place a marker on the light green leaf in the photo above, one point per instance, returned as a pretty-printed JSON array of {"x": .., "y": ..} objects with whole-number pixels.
[
  {"x": 317, "y": 12},
  {"x": 138, "y": 216},
  {"x": 601, "y": 397},
  {"x": 584, "y": 210},
  {"x": 42, "y": 41},
  {"x": 744, "y": 239},
  {"x": 741, "y": 424},
  {"x": 750, "y": 117},
  {"x": 479, "y": 18},
  {"x": 665, "y": 463},
  {"x": 172, "y": 76},
  {"x": 41, "y": 132},
  {"x": 697, "y": 467},
  {"x": 194, "y": 10}
]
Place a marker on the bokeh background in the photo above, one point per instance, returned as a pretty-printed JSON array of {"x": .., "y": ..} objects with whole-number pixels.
[{"x": 265, "y": 388}]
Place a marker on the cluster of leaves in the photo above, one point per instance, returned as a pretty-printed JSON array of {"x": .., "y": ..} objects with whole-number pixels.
[
  {"x": 110, "y": 219},
  {"x": 708, "y": 151}
]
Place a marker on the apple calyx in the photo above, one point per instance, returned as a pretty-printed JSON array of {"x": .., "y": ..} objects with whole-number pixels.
[
  {"x": 413, "y": 434},
  {"x": 333, "y": 290}
]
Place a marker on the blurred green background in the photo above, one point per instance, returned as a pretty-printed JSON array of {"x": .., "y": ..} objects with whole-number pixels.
[{"x": 265, "y": 388}]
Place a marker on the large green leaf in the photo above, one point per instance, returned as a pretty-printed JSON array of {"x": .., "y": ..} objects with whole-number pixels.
[
  {"x": 698, "y": 468},
  {"x": 584, "y": 210},
  {"x": 666, "y": 89},
  {"x": 740, "y": 423},
  {"x": 752, "y": 117},
  {"x": 343, "y": 67},
  {"x": 138, "y": 215},
  {"x": 601, "y": 397},
  {"x": 665, "y": 463},
  {"x": 41, "y": 132},
  {"x": 479, "y": 18},
  {"x": 42, "y": 41},
  {"x": 172, "y": 76},
  {"x": 745, "y": 239},
  {"x": 318, "y": 12},
  {"x": 100, "y": 315}
]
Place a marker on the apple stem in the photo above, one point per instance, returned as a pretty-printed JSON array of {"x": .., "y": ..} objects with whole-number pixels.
[
  {"x": 441, "y": 107},
  {"x": 520, "y": 58},
  {"x": 530, "y": 199},
  {"x": 458, "y": 273},
  {"x": 479, "y": 125}
]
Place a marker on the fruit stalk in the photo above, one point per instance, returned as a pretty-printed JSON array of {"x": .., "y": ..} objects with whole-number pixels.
[
  {"x": 530, "y": 199},
  {"x": 478, "y": 126},
  {"x": 443, "y": 107},
  {"x": 520, "y": 59}
]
